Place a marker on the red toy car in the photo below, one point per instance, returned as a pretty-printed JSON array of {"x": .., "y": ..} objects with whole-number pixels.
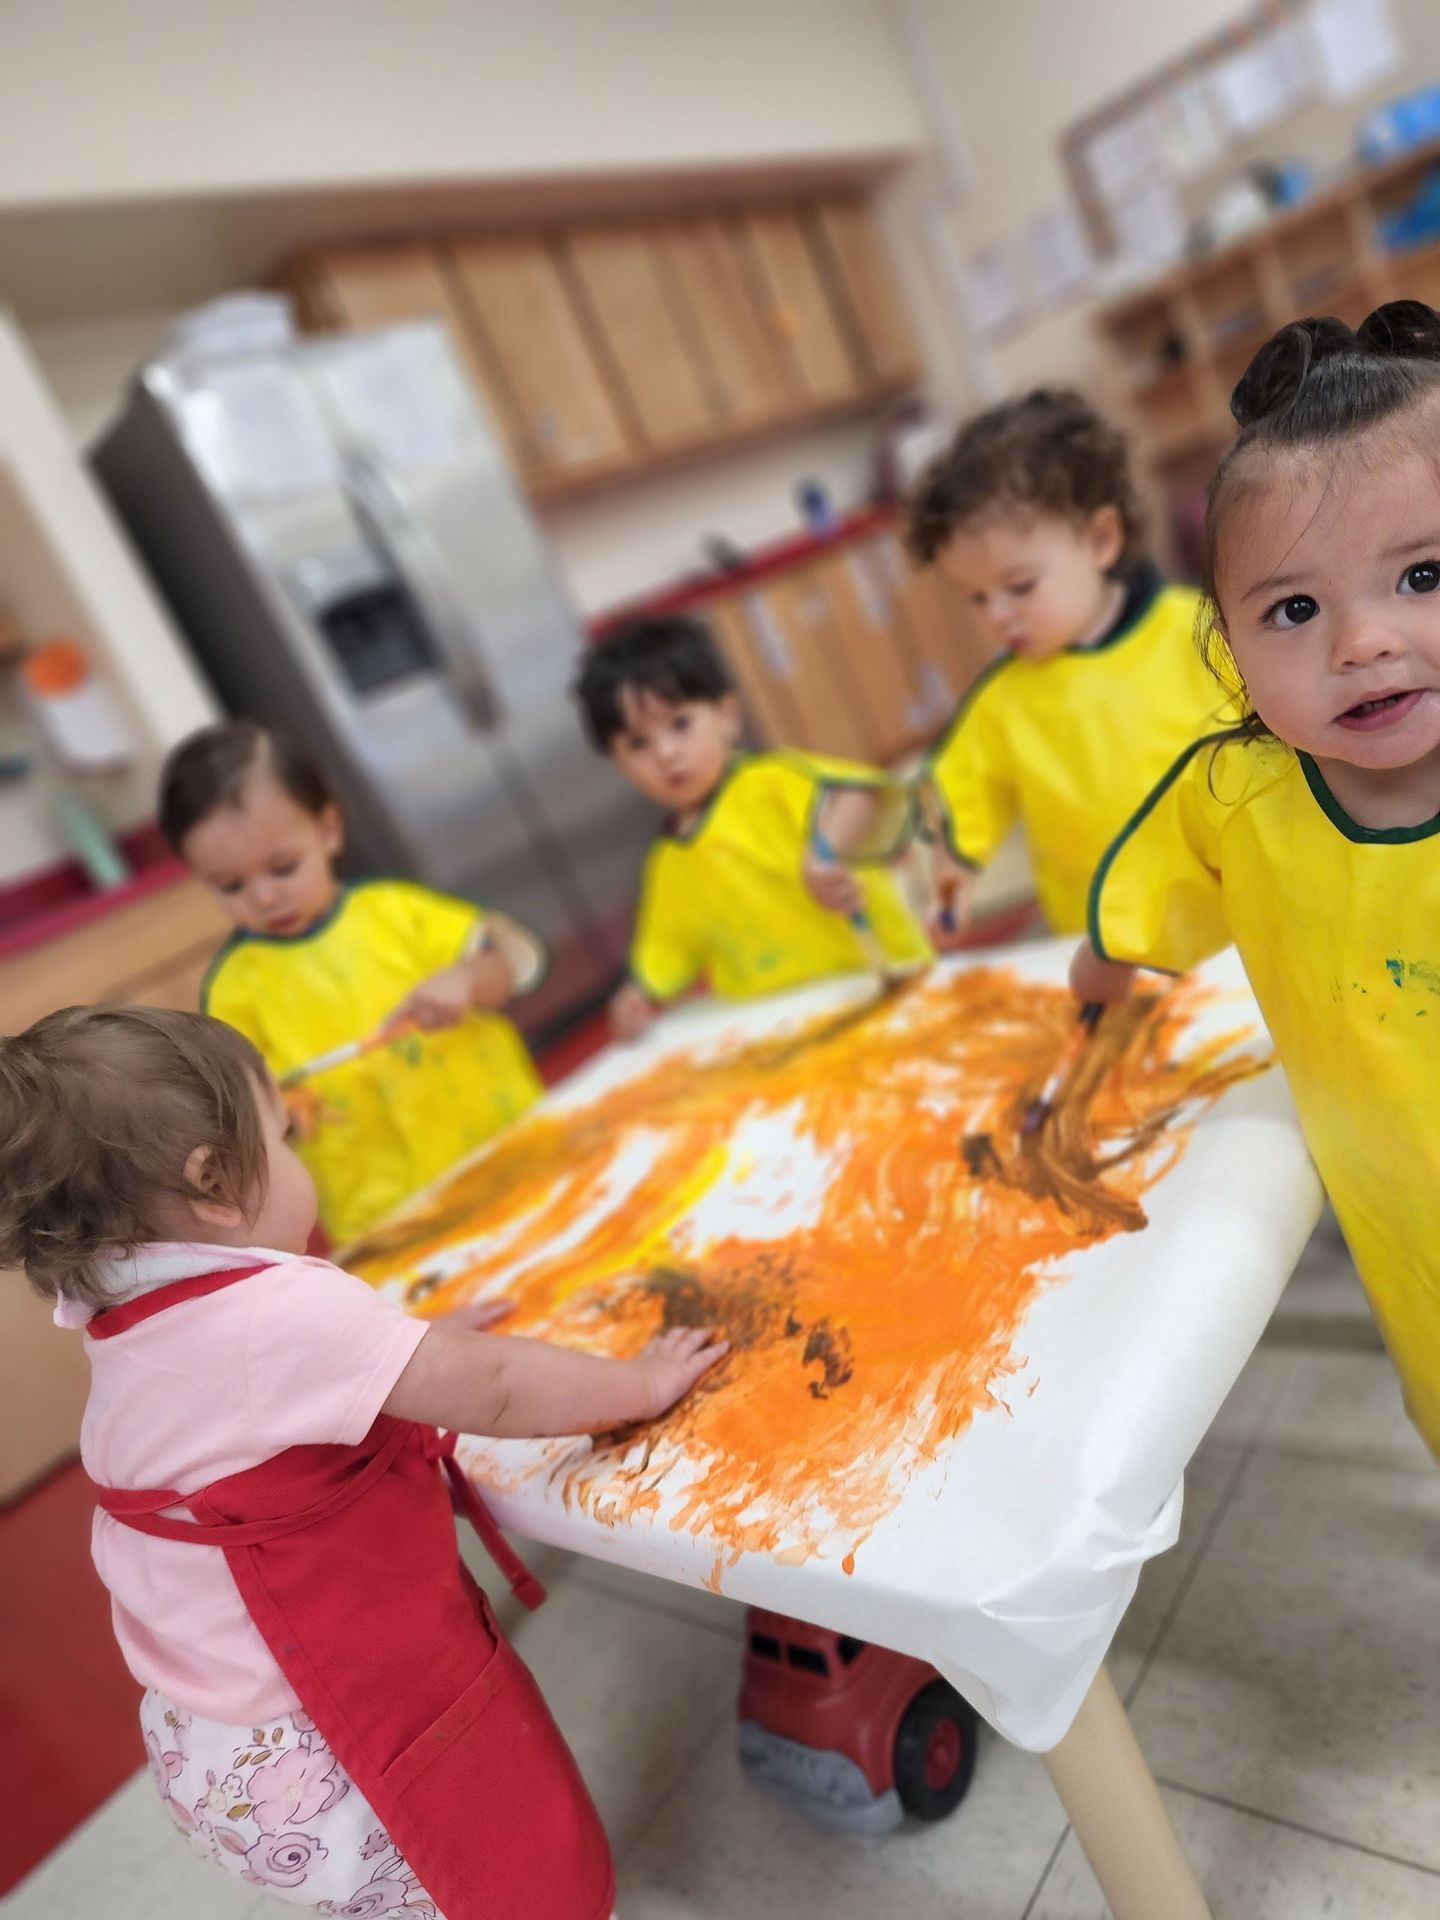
[{"x": 859, "y": 1736}]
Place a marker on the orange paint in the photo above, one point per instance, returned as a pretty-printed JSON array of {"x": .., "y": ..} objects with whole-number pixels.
[{"x": 866, "y": 1339}]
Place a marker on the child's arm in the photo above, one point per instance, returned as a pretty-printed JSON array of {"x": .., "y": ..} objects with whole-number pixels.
[
  {"x": 512, "y": 1388},
  {"x": 844, "y": 822},
  {"x": 503, "y": 960}
]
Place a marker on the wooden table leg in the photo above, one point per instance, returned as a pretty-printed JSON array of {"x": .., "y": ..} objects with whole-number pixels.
[{"x": 1119, "y": 1818}]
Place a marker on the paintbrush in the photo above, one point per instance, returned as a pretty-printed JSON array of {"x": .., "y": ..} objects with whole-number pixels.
[
  {"x": 875, "y": 956},
  {"x": 382, "y": 1036},
  {"x": 352, "y": 1050},
  {"x": 1039, "y": 1109}
]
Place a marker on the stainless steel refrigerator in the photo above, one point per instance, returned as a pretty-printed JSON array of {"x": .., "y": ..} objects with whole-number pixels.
[{"x": 336, "y": 529}]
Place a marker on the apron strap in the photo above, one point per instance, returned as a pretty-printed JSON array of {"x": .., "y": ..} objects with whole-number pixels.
[
  {"x": 146, "y": 1509},
  {"x": 523, "y": 1584},
  {"x": 140, "y": 1508}
]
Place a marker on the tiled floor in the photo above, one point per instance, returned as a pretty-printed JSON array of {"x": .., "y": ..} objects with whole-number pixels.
[{"x": 1283, "y": 1668}]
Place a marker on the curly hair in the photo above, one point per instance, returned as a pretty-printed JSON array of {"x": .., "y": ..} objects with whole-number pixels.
[
  {"x": 100, "y": 1110},
  {"x": 1049, "y": 452}
]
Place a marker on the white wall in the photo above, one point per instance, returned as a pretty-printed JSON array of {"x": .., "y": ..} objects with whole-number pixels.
[
  {"x": 100, "y": 100},
  {"x": 1017, "y": 75},
  {"x": 64, "y": 568}
]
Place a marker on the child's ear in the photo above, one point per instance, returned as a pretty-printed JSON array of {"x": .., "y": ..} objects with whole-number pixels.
[
  {"x": 332, "y": 830},
  {"x": 1105, "y": 536},
  {"x": 202, "y": 1176},
  {"x": 733, "y": 716}
]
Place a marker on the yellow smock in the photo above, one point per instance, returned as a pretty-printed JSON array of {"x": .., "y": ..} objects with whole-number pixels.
[
  {"x": 1338, "y": 926},
  {"x": 1070, "y": 744},
  {"x": 725, "y": 900},
  {"x": 395, "y": 1119}
]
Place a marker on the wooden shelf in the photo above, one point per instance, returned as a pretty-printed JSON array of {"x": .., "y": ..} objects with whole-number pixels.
[{"x": 1330, "y": 240}]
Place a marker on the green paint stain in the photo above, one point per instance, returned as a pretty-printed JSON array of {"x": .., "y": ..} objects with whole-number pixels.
[{"x": 1420, "y": 973}]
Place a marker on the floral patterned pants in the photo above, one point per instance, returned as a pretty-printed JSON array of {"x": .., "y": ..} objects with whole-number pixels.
[{"x": 273, "y": 1806}]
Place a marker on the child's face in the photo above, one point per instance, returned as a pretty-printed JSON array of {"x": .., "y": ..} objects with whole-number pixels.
[
  {"x": 675, "y": 751},
  {"x": 1039, "y": 582},
  {"x": 1328, "y": 581},
  {"x": 287, "y": 1214},
  {"x": 268, "y": 862}
]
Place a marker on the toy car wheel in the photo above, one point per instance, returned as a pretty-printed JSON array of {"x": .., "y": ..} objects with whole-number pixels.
[{"x": 934, "y": 1752}]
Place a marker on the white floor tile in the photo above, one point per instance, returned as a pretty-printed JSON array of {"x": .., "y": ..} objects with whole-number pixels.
[
  {"x": 1301, "y": 1676},
  {"x": 637, "y": 1694},
  {"x": 719, "y": 1848},
  {"x": 128, "y": 1863},
  {"x": 1252, "y": 1869}
]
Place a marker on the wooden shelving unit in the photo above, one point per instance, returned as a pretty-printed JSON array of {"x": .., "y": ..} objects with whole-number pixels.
[{"x": 1178, "y": 346}]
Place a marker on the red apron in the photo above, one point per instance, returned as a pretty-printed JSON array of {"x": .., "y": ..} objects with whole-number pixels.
[{"x": 346, "y": 1560}]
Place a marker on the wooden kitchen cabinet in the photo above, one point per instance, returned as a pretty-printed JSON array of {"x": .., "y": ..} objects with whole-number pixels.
[
  {"x": 622, "y": 284},
  {"x": 154, "y": 951},
  {"x": 519, "y": 300},
  {"x": 709, "y": 284},
  {"x": 810, "y": 341},
  {"x": 864, "y": 630},
  {"x": 762, "y": 662},
  {"x": 832, "y": 715},
  {"x": 382, "y": 285},
  {"x": 849, "y": 245}
]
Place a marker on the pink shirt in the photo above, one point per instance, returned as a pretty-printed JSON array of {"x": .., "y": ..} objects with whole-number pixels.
[{"x": 301, "y": 1353}]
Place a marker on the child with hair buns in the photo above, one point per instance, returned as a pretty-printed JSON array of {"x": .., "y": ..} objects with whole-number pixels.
[{"x": 1310, "y": 833}]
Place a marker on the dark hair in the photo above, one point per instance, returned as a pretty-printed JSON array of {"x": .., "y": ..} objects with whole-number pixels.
[
  {"x": 1049, "y": 451},
  {"x": 1313, "y": 384},
  {"x": 210, "y": 770},
  {"x": 100, "y": 1109},
  {"x": 673, "y": 657}
]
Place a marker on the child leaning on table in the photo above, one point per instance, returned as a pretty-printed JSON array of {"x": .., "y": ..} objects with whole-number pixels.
[
  {"x": 1310, "y": 834},
  {"x": 1098, "y": 685},
  {"x": 315, "y": 964},
  {"x": 746, "y": 885},
  {"x": 330, "y": 1711}
]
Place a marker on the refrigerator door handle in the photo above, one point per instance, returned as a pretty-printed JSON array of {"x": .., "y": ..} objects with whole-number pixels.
[{"x": 406, "y": 544}]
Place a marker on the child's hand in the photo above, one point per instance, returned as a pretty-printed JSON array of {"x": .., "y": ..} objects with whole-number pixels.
[
  {"x": 492, "y": 984},
  {"x": 831, "y": 883},
  {"x": 441, "y": 1001},
  {"x": 1096, "y": 981},
  {"x": 954, "y": 895},
  {"x": 674, "y": 1361},
  {"x": 632, "y": 1012}
]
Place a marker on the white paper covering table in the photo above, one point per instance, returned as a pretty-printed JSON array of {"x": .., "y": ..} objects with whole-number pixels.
[{"x": 1008, "y": 1553}]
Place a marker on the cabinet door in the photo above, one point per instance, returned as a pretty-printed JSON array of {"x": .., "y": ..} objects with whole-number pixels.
[
  {"x": 945, "y": 641},
  {"x": 763, "y": 664},
  {"x": 622, "y": 281},
  {"x": 830, "y": 708},
  {"x": 816, "y": 361},
  {"x": 522, "y": 307},
  {"x": 379, "y": 286},
  {"x": 712, "y": 289},
  {"x": 849, "y": 244},
  {"x": 878, "y": 660}
]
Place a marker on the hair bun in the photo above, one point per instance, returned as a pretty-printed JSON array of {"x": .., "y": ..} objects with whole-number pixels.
[
  {"x": 1277, "y": 373},
  {"x": 1402, "y": 329}
]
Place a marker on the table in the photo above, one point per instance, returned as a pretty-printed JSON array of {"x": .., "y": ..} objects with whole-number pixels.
[{"x": 969, "y": 1365}]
